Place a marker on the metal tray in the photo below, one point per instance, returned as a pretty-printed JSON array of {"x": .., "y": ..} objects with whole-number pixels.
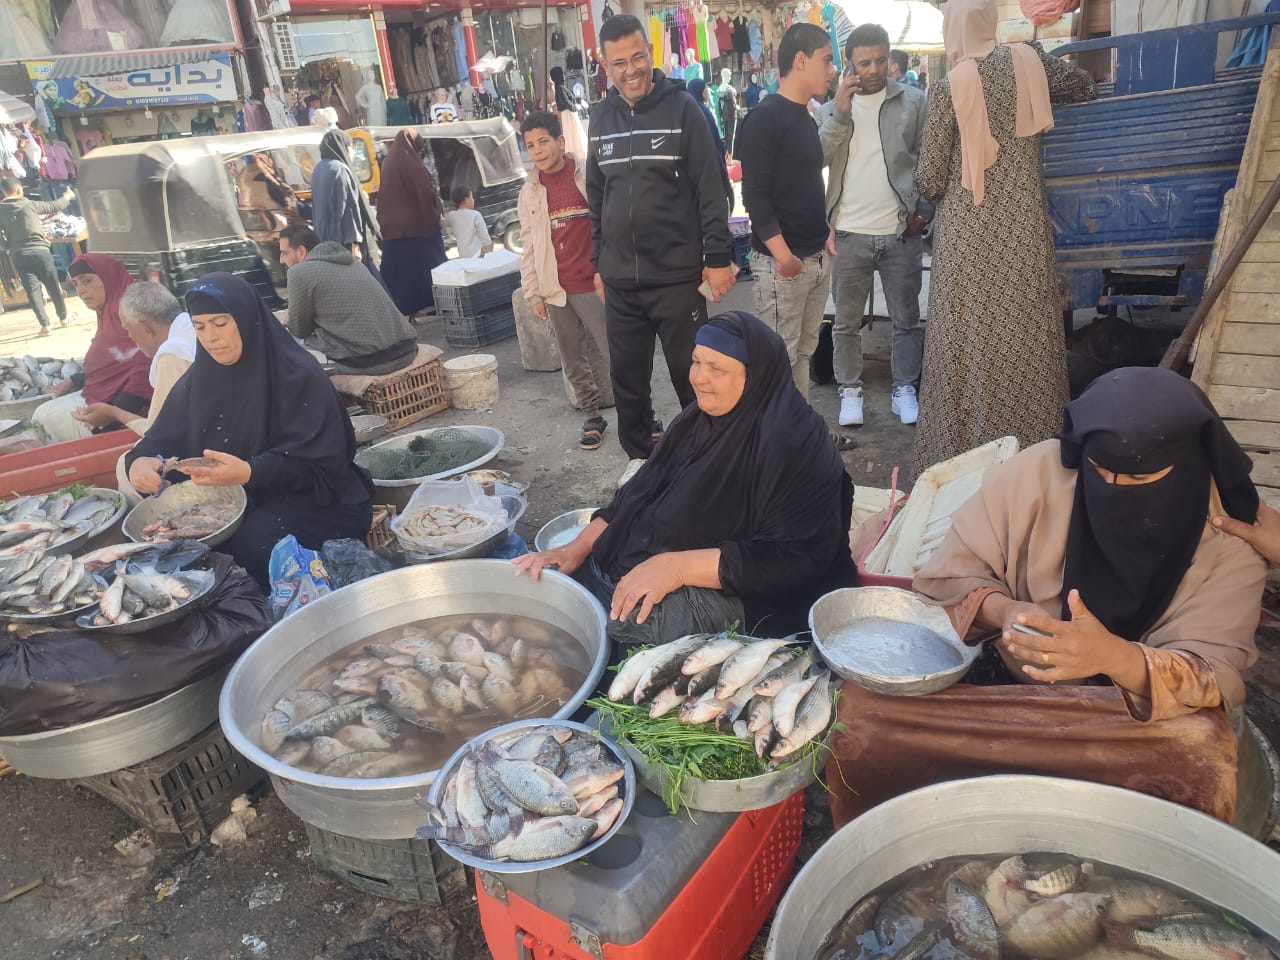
[
  {"x": 533, "y": 866},
  {"x": 200, "y": 585},
  {"x": 491, "y": 435},
  {"x": 78, "y": 541},
  {"x": 177, "y": 498},
  {"x": 515, "y": 507},
  {"x": 34, "y": 618},
  {"x": 368, "y": 427},
  {"x": 561, "y": 530},
  {"x": 889, "y": 641},
  {"x": 22, "y": 409}
]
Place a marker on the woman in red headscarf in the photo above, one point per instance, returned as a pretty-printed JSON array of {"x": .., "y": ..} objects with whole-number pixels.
[{"x": 115, "y": 370}]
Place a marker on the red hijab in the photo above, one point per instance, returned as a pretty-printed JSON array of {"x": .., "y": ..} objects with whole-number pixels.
[{"x": 113, "y": 362}]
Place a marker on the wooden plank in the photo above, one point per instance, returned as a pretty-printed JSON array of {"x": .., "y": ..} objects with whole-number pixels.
[
  {"x": 1255, "y": 308},
  {"x": 1256, "y": 339},
  {"x": 1244, "y": 370},
  {"x": 1246, "y": 403},
  {"x": 1261, "y": 251},
  {"x": 1269, "y": 165},
  {"x": 1270, "y": 231},
  {"x": 1255, "y": 433},
  {"x": 1266, "y": 469},
  {"x": 1271, "y": 495},
  {"x": 1256, "y": 278}
]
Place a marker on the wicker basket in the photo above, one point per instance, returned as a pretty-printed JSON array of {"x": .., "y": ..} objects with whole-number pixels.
[
  {"x": 380, "y": 534},
  {"x": 409, "y": 397}
]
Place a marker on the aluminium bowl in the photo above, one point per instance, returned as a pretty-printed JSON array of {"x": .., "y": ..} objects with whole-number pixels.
[
  {"x": 179, "y": 497},
  {"x": 561, "y": 530},
  {"x": 515, "y": 507},
  {"x": 368, "y": 427}
]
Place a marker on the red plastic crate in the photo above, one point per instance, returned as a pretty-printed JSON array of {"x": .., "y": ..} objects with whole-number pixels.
[
  {"x": 715, "y": 917},
  {"x": 57, "y": 465}
]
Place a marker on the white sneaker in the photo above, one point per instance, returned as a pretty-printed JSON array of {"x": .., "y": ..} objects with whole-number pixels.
[
  {"x": 851, "y": 406},
  {"x": 633, "y": 467},
  {"x": 905, "y": 404}
]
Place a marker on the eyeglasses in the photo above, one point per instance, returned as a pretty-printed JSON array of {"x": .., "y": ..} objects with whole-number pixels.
[{"x": 638, "y": 61}]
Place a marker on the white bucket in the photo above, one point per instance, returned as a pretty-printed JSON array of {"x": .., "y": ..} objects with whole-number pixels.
[{"x": 472, "y": 381}]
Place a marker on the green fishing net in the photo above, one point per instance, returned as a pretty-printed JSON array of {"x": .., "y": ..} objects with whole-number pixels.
[{"x": 443, "y": 450}]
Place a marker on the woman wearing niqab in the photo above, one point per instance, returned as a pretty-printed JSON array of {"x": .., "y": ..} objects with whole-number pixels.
[
  {"x": 257, "y": 403},
  {"x": 1100, "y": 540}
]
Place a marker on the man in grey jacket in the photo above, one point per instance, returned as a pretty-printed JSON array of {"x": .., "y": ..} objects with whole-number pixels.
[
  {"x": 871, "y": 135},
  {"x": 24, "y": 238},
  {"x": 338, "y": 307}
]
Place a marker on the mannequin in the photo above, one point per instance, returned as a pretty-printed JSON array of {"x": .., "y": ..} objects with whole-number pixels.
[
  {"x": 728, "y": 108},
  {"x": 276, "y": 109},
  {"x": 692, "y": 68},
  {"x": 371, "y": 100}
]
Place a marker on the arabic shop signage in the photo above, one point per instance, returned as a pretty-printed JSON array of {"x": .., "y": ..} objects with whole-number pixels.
[{"x": 204, "y": 81}]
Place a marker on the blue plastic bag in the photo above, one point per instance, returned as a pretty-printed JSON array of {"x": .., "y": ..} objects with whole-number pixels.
[{"x": 298, "y": 576}]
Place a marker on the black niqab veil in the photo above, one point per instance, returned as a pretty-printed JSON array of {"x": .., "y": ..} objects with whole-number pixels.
[
  {"x": 764, "y": 472},
  {"x": 274, "y": 400},
  {"x": 1129, "y": 546}
]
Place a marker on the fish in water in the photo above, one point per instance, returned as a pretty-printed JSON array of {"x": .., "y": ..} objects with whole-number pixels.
[
  {"x": 971, "y": 923},
  {"x": 1059, "y": 927}
]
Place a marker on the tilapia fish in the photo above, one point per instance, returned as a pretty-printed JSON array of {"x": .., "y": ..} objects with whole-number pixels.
[
  {"x": 193, "y": 523},
  {"x": 499, "y": 807}
]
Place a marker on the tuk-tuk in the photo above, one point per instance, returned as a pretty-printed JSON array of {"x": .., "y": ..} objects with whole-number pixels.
[{"x": 484, "y": 156}]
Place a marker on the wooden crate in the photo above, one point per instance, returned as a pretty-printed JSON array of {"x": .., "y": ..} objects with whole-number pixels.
[
  {"x": 408, "y": 397},
  {"x": 380, "y": 534}
]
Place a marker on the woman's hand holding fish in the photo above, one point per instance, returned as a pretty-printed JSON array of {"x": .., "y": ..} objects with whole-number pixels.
[
  {"x": 230, "y": 471},
  {"x": 146, "y": 474},
  {"x": 1077, "y": 649}
]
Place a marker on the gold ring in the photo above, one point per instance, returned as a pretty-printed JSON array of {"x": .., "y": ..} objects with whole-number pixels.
[{"x": 1044, "y": 658}]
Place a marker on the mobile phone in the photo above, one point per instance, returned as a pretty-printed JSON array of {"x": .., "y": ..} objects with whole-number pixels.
[{"x": 1031, "y": 631}]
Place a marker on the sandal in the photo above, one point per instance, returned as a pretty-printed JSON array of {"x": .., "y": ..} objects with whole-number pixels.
[
  {"x": 655, "y": 430},
  {"x": 593, "y": 433},
  {"x": 843, "y": 443}
]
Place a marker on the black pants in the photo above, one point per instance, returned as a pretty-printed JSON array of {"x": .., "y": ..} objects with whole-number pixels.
[
  {"x": 35, "y": 267},
  {"x": 633, "y": 318}
]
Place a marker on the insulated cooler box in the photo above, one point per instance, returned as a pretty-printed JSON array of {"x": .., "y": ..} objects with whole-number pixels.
[{"x": 665, "y": 887}]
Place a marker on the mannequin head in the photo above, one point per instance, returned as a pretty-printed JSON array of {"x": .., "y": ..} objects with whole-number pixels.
[{"x": 725, "y": 75}]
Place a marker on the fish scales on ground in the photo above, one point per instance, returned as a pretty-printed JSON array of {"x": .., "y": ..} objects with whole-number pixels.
[
  {"x": 498, "y": 807},
  {"x": 422, "y": 690},
  {"x": 942, "y": 909}
]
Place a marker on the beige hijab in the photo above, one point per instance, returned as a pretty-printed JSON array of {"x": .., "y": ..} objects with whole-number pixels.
[{"x": 969, "y": 32}]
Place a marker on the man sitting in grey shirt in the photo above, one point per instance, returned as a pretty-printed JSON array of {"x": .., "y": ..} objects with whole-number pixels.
[{"x": 336, "y": 306}]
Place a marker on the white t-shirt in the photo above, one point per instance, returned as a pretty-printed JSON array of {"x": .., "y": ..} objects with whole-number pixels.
[
  {"x": 868, "y": 203},
  {"x": 469, "y": 231}
]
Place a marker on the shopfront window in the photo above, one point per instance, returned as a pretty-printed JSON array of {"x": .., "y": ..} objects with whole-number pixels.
[
  {"x": 31, "y": 29},
  {"x": 339, "y": 65}
]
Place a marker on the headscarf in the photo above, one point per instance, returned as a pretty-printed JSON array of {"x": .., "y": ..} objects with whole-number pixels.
[
  {"x": 408, "y": 202},
  {"x": 334, "y": 187},
  {"x": 1128, "y": 546},
  {"x": 274, "y": 400},
  {"x": 969, "y": 32},
  {"x": 766, "y": 470},
  {"x": 113, "y": 362},
  {"x": 336, "y": 145}
]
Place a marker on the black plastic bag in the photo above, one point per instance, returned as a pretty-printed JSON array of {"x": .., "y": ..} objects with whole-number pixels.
[
  {"x": 65, "y": 677},
  {"x": 349, "y": 561}
]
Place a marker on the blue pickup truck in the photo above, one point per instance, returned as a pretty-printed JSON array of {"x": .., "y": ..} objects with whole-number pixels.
[{"x": 1136, "y": 179}]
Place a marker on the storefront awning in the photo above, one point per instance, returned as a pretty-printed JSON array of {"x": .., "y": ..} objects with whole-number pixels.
[
  {"x": 13, "y": 110},
  {"x": 913, "y": 25},
  {"x": 108, "y": 64}
]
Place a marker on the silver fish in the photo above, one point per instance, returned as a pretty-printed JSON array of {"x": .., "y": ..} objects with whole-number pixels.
[
  {"x": 787, "y": 701},
  {"x": 663, "y": 669},
  {"x": 714, "y": 651},
  {"x": 534, "y": 787},
  {"x": 789, "y": 672},
  {"x": 629, "y": 674},
  {"x": 744, "y": 665}
]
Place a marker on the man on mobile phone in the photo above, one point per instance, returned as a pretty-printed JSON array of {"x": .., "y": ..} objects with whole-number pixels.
[
  {"x": 782, "y": 190},
  {"x": 659, "y": 224},
  {"x": 871, "y": 135}
]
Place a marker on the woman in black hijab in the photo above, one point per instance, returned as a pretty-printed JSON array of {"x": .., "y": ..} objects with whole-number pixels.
[
  {"x": 741, "y": 513},
  {"x": 258, "y": 404},
  {"x": 340, "y": 209}
]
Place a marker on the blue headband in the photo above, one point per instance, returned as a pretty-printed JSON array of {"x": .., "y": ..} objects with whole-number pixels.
[
  {"x": 207, "y": 291},
  {"x": 722, "y": 341}
]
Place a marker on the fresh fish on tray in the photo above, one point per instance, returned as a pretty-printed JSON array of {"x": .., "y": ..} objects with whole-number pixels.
[
  {"x": 22, "y": 378},
  {"x": 194, "y": 522}
]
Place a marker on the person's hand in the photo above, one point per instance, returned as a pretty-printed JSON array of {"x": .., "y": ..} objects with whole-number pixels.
[
  {"x": 1073, "y": 650},
  {"x": 831, "y": 241},
  {"x": 645, "y": 587},
  {"x": 566, "y": 559},
  {"x": 61, "y": 388},
  {"x": 720, "y": 280},
  {"x": 1263, "y": 536},
  {"x": 230, "y": 471},
  {"x": 788, "y": 267},
  {"x": 146, "y": 474},
  {"x": 915, "y": 225},
  {"x": 599, "y": 284},
  {"x": 539, "y": 307},
  {"x": 96, "y": 415},
  {"x": 355, "y": 251},
  {"x": 849, "y": 85}
]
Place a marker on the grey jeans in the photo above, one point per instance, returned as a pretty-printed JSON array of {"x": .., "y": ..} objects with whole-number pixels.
[
  {"x": 794, "y": 308},
  {"x": 858, "y": 257},
  {"x": 581, "y": 317}
]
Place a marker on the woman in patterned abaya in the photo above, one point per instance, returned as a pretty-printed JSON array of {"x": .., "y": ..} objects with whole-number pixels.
[{"x": 994, "y": 361}]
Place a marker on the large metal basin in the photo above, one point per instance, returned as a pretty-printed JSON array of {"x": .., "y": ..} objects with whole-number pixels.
[
  {"x": 385, "y": 809},
  {"x": 119, "y": 741},
  {"x": 1018, "y": 814}
]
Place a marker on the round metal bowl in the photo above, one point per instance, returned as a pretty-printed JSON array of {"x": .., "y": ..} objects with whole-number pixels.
[
  {"x": 889, "y": 641},
  {"x": 8, "y": 427},
  {"x": 561, "y": 530},
  {"x": 369, "y": 427},
  {"x": 75, "y": 543},
  {"x": 199, "y": 585},
  {"x": 1023, "y": 814},
  {"x": 22, "y": 409},
  {"x": 384, "y": 809},
  {"x": 34, "y": 618},
  {"x": 490, "y": 435},
  {"x": 179, "y": 497},
  {"x": 500, "y": 866},
  {"x": 119, "y": 741},
  {"x": 515, "y": 507}
]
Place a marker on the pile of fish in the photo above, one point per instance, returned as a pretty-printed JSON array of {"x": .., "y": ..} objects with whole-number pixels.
[
  {"x": 193, "y": 522},
  {"x": 22, "y": 378},
  {"x": 1046, "y": 906},
  {"x": 33, "y": 524},
  {"x": 762, "y": 690},
  {"x": 529, "y": 794},
  {"x": 421, "y": 693}
]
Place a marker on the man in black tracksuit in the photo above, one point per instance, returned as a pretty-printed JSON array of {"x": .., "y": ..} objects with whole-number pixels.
[{"x": 659, "y": 223}]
